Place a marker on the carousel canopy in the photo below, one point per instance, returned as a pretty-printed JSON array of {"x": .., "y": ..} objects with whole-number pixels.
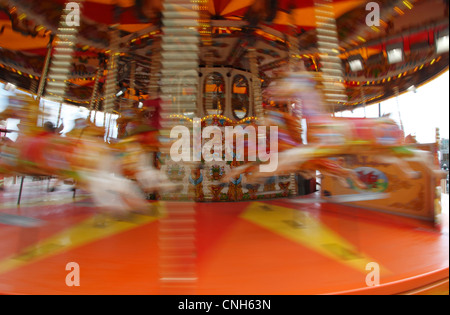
[{"x": 408, "y": 30}]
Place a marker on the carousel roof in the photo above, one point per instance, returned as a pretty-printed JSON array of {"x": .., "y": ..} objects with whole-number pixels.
[{"x": 27, "y": 25}]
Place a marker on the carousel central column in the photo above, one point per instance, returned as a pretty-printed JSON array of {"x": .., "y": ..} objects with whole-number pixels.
[
  {"x": 179, "y": 86},
  {"x": 207, "y": 42},
  {"x": 258, "y": 110}
]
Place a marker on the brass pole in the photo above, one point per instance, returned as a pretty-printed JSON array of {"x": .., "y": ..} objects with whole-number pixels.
[{"x": 40, "y": 90}]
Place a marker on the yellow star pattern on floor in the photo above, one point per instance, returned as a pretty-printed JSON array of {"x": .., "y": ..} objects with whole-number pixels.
[
  {"x": 301, "y": 227},
  {"x": 93, "y": 229}
]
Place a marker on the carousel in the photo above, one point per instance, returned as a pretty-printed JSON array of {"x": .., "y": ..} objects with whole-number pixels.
[{"x": 353, "y": 206}]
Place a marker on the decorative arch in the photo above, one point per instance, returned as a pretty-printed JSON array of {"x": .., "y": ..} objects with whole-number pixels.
[
  {"x": 240, "y": 97},
  {"x": 214, "y": 96}
]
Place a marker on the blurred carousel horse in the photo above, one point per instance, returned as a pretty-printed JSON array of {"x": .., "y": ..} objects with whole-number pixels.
[
  {"x": 331, "y": 139},
  {"x": 82, "y": 155},
  {"x": 139, "y": 142},
  {"x": 3, "y": 141}
]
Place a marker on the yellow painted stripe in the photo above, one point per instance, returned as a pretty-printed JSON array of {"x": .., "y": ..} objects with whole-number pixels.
[
  {"x": 81, "y": 234},
  {"x": 311, "y": 233}
]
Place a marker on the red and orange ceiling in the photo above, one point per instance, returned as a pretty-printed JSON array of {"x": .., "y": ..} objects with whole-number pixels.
[
  {"x": 136, "y": 15},
  {"x": 25, "y": 25}
]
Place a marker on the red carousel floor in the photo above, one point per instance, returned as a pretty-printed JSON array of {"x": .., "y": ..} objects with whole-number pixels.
[{"x": 251, "y": 248}]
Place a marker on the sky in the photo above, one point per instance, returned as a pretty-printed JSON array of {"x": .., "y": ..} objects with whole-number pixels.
[{"x": 419, "y": 112}]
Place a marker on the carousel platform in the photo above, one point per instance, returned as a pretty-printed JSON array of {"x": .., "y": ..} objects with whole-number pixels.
[{"x": 276, "y": 247}]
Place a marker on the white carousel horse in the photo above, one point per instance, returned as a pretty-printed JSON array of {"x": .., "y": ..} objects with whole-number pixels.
[{"x": 330, "y": 138}]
